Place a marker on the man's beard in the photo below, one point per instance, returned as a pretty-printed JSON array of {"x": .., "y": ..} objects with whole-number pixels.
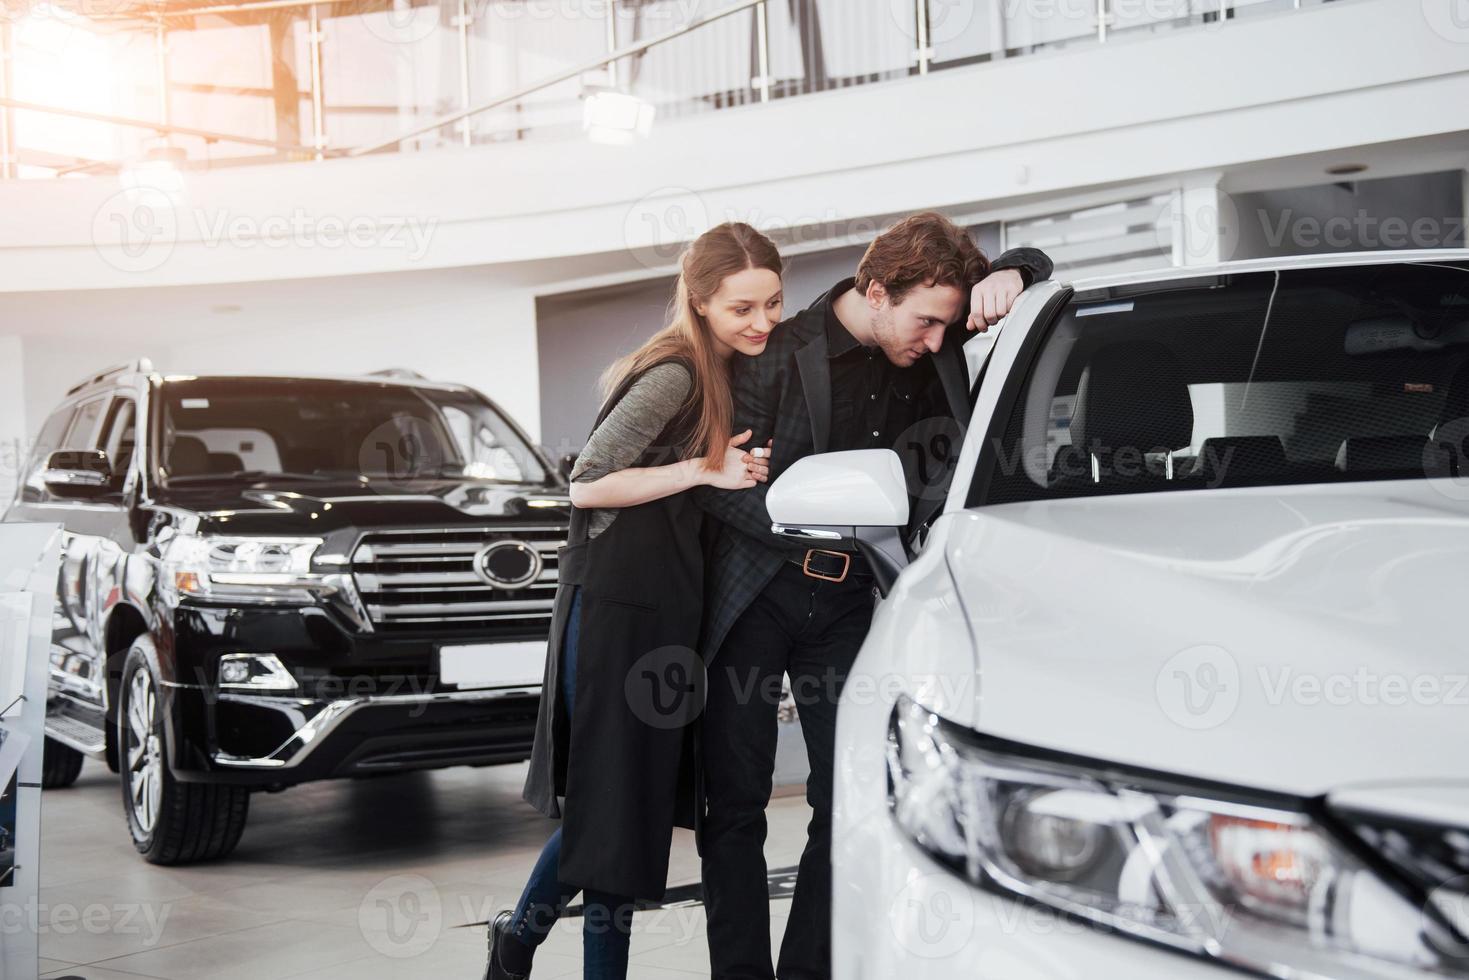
[{"x": 885, "y": 333}]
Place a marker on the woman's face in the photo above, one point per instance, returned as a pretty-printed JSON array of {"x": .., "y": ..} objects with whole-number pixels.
[{"x": 743, "y": 311}]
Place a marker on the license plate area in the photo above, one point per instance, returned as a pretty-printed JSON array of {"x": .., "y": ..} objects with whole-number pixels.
[{"x": 470, "y": 666}]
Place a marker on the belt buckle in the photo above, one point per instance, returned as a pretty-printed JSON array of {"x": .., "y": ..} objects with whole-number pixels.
[{"x": 846, "y": 565}]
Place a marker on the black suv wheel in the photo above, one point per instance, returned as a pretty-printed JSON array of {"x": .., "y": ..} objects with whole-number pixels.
[
  {"x": 60, "y": 765},
  {"x": 172, "y": 822}
]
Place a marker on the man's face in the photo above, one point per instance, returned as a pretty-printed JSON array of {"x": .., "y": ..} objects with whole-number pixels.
[{"x": 908, "y": 330}]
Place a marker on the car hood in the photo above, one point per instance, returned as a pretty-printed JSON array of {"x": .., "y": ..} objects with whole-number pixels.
[
  {"x": 1300, "y": 639},
  {"x": 320, "y": 508}
]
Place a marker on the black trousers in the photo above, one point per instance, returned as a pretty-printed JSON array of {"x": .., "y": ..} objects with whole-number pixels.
[{"x": 810, "y": 629}]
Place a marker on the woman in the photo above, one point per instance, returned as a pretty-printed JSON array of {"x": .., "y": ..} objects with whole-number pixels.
[{"x": 619, "y": 695}]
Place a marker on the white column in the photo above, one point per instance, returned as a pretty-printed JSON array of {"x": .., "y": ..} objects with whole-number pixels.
[
  {"x": 14, "y": 432},
  {"x": 1205, "y": 223}
]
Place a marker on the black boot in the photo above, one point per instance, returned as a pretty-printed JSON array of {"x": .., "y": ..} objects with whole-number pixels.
[{"x": 499, "y": 936}]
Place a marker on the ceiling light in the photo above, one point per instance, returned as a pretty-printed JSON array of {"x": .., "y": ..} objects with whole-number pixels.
[{"x": 616, "y": 117}]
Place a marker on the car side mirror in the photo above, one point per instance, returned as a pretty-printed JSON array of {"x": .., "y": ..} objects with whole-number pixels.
[
  {"x": 77, "y": 474},
  {"x": 565, "y": 465},
  {"x": 859, "y": 496}
]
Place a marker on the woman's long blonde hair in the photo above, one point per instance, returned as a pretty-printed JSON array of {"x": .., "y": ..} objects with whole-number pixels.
[{"x": 720, "y": 252}]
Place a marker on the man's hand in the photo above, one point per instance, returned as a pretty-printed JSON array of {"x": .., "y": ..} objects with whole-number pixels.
[{"x": 992, "y": 298}]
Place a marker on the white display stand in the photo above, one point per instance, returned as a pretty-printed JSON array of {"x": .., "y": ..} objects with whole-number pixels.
[{"x": 29, "y": 558}]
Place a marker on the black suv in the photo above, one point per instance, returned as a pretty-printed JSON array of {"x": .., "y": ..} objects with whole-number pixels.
[{"x": 270, "y": 580}]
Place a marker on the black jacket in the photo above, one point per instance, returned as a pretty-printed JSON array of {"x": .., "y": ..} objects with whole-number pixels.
[{"x": 784, "y": 393}]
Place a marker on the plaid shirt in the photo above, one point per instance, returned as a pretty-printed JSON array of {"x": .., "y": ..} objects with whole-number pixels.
[{"x": 784, "y": 393}]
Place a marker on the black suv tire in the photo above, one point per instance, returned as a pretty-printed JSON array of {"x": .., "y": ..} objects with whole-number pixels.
[
  {"x": 172, "y": 822},
  {"x": 60, "y": 765}
]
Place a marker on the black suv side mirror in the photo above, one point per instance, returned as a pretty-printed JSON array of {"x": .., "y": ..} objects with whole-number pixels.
[
  {"x": 565, "y": 465},
  {"x": 78, "y": 473}
]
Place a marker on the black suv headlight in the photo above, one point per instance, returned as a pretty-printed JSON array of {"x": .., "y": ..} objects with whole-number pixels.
[
  {"x": 243, "y": 569},
  {"x": 1257, "y": 880}
]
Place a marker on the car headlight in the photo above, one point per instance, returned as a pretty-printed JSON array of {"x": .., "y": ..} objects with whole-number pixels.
[
  {"x": 1256, "y": 880},
  {"x": 246, "y": 569}
]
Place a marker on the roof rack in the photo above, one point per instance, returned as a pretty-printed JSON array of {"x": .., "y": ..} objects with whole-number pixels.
[
  {"x": 141, "y": 365},
  {"x": 404, "y": 373}
]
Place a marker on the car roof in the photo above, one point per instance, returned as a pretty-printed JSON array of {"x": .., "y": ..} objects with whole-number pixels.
[{"x": 1280, "y": 264}]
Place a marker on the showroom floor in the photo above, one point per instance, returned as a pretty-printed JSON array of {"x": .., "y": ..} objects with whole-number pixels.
[{"x": 380, "y": 878}]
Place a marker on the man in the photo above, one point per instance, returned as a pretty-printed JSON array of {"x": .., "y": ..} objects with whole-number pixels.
[{"x": 858, "y": 369}]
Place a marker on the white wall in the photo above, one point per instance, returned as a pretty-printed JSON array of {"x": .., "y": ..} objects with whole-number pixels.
[
  {"x": 469, "y": 326},
  {"x": 14, "y": 437}
]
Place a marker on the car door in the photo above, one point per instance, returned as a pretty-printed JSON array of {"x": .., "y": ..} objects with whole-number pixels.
[{"x": 87, "y": 526}]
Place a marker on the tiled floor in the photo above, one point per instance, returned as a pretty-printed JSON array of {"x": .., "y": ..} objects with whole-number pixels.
[{"x": 359, "y": 879}]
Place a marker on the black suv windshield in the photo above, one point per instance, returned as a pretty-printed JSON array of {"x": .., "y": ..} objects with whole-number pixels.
[
  {"x": 1302, "y": 376},
  {"x": 224, "y": 429}
]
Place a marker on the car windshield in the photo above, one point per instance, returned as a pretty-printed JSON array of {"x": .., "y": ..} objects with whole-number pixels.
[
  {"x": 1252, "y": 379},
  {"x": 229, "y": 429}
]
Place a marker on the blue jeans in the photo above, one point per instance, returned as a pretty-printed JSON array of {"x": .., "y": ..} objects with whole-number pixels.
[{"x": 607, "y": 918}]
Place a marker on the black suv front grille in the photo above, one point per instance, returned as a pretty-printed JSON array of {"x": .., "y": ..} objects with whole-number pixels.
[{"x": 418, "y": 580}]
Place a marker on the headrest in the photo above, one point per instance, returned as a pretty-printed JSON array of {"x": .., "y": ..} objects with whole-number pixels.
[
  {"x": 1132, "y": 395},
  {"x": 188, "y": 457},
  {"x": 225, "y": 463},
  {"x": 1236, "y": 459},
  {"x": 1365, "y": 454}
]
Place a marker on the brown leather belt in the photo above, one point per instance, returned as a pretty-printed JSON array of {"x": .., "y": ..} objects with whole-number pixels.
[{"x": 829, "y": 566}]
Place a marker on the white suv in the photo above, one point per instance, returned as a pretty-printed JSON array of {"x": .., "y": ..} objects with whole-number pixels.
[{"x": 1174, "y": 685}]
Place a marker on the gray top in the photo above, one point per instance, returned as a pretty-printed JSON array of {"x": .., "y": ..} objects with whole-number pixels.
[{"x": 629, "y": 429}]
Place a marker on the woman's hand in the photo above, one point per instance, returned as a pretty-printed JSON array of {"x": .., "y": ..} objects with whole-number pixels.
[{"x": 735, "y": 474}]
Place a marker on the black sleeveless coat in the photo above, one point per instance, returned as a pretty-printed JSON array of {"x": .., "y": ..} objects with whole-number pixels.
[{"x": 624, "y": 759}]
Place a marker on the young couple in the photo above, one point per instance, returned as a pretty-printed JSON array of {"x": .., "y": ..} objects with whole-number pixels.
[{"x": 670, "y": 552}]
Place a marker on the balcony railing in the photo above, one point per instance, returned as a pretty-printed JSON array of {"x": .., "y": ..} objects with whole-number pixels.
[{"x": 93, "y": 86}]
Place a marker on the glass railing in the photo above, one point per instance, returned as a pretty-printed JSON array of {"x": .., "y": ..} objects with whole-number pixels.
[{"x": 95, "y": 86}]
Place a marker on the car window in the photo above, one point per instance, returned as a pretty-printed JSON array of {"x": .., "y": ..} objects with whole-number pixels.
[
  {"x": 1256, "y": 379},
  {"x": 362, "y": 432},
  {"x": 119, "y": 436},
  {"x": 48, "y": 440},
  {"x": 83, "y": 428}
]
